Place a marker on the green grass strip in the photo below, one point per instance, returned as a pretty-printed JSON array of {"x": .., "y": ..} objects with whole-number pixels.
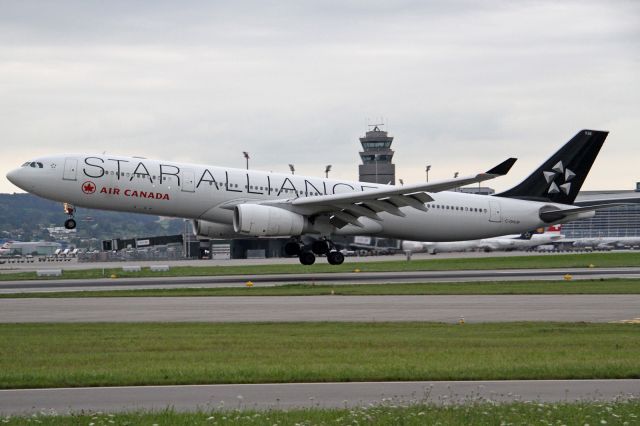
[
  {"x": 582, "y": 260},
  {"x": 603, "y": 286},
  {"x": 391, "y": 414},
  {"x": 61, "y": 355}
]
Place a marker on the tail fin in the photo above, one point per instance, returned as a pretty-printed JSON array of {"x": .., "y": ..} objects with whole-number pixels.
[
  {"x": 554, "y": 229},
  {"x": 559, "y": 178}
]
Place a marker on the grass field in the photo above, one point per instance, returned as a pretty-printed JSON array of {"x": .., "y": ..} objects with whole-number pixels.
[
  {"x": 392, "y": 413},
  {"x": 608, "y": 286},
  {"x": 60, "y": 355},
  {"x": 582, "y": 260}
]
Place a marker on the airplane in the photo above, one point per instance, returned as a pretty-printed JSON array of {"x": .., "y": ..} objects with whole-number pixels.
[
  {"x": 236, "y": 203},
  {"x": 507, "y": 242},
  {"x": 603, "y": 243}
]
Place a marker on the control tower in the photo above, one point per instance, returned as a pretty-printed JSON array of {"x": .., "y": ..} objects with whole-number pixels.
[{"x": 376, "y": 157}]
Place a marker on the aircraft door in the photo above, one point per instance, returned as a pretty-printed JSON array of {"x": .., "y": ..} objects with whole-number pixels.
[
  {"x": 70, "y": 169},
  {"x": 494, "y": 211},
  {"x": 188, "y": 181}
]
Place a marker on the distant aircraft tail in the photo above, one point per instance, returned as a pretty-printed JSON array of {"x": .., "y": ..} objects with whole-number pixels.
[
  {"x": 560, "y": 178},
  {"x": 553, "y": 229},
  {"x": 549, "y": 230}
]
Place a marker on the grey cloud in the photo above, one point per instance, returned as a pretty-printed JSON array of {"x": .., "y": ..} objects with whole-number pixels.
[{"x": 462, "y": 85}]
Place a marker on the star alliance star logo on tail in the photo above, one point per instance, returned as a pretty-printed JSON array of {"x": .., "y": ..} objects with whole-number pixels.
[{"x": 565, "y": 174}]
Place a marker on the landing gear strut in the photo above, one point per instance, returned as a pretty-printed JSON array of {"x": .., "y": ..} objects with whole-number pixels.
[{"x": 69, "y": 210}]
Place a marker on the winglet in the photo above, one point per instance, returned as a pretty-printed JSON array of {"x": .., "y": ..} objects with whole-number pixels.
[{"x": 502, "y": 168}]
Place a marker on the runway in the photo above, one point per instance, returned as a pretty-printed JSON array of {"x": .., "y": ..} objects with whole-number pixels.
[
  {"x": 316, "y": 278},
  {"x": 474, "y": 308},
  {"x": 299, "y": 395}
]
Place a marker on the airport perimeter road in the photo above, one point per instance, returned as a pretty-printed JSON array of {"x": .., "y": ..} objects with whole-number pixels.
[
  {"x": 570, "y": 308},
  {"x": 316, "y": 278},
  {"x": 291, "y": 395}
]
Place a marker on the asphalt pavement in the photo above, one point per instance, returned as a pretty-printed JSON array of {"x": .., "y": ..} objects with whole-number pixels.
[
  {"x": 49, "y": 285},
  {"x": 299, "y": 395},
  {"x": 441, "y": 308}
]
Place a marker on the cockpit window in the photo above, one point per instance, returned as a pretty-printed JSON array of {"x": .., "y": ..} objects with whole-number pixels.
[
  {"x": 39, "y": 165},
  {"x": 34, "y": 164},
  {"x": 26, "y": 164}
]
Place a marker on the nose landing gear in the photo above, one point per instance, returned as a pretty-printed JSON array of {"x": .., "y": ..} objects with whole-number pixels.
[{"x": 69, "y": 210}]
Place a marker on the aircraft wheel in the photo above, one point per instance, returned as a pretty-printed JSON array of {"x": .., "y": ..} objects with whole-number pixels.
[
  {"x": 307, "y": 258},
  {"x": 70, "y": 223},
  {"x": 335, "y": 258}
]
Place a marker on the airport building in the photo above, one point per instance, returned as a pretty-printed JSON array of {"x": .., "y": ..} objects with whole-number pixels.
[
  {"x": 376, "y": 156},
  {"x": 621, "y": 221}
]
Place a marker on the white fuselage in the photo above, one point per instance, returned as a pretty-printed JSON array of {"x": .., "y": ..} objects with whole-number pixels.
[{"x": 167, "y": 188}]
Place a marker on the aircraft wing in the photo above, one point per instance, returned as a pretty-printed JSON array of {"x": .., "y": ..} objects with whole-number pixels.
[{"x": 346, "y": 208}]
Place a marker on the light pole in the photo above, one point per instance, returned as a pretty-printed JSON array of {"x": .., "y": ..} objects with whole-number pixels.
[
  {"x": 293, "y": 169},
  {"x": 327, "y": 170},
  {"x": 246, "y": 156},
  {"x": 427, "y": 171},
  {"x": 401, "y": 182},
  {"x": 455, "y": 176}
]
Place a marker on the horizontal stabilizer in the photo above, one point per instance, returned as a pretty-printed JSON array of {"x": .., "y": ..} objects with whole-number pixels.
[{"x": 557, "y": 215}]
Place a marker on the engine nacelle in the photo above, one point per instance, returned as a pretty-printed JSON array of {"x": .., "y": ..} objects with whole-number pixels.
[
  {"x": 266, "y": 221},
  {"x": 206, "y": 229}
]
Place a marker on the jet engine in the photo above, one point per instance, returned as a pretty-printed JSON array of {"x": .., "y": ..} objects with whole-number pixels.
[
  {"x": 266, "y": 221},
  {"x": 206, "y": 229}
]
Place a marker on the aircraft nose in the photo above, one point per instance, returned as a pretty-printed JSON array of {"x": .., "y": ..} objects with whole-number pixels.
[{"x": 14, "y": 177}]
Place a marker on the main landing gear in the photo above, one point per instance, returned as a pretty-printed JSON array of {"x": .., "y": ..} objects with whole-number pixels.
[
  {"x": 307, "y": 253},
  {"x": 69, "y": 210}
]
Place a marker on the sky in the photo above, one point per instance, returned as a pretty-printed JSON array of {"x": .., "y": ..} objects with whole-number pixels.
[{"x": 461, "y": 85}]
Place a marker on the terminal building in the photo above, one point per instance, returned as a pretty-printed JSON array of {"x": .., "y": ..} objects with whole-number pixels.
[{"x": 621, "y": 221}]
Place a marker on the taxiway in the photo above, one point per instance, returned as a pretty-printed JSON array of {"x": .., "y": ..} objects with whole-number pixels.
[{"x": 300, "y": 395}]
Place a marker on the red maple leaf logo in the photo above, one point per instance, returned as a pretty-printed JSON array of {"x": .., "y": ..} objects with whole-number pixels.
[{"x": 88, "y": 187}]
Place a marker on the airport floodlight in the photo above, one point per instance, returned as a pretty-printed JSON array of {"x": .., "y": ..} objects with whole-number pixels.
[
  {"x": 455, "y": 175},
  {"x": 292, "y": 168},
  {"x": 246, "y": 156},
  {"x": 327, "y": 170},
  {"x": 401, "y": 181},
  {"x": 427, "y": 171}
]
